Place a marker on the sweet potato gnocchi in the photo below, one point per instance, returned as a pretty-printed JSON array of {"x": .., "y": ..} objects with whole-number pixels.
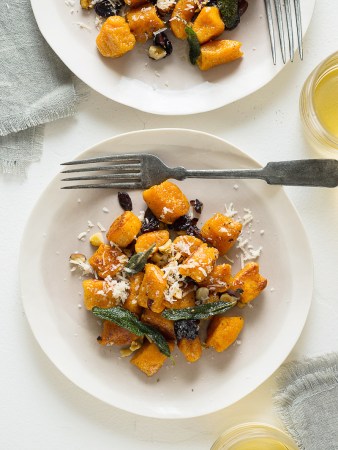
[
  {"x": 127, "y": 22},
  {"x": 157, "y": 279}
]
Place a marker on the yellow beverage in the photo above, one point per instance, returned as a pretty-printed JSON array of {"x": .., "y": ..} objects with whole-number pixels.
[
  {"x": 259, "y": 444},
  {"x": 325, "y": 100},
  {"x": 254, "y": 436},
  {"x": 318, "y": 106}
]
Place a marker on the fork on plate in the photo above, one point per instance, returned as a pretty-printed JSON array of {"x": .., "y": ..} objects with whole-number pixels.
[
  {"x": 278, "y": 14},
  {"x": 141, "y": 170}
]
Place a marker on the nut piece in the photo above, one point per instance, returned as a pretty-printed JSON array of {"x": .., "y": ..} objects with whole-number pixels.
[
  {"x": 135, "y": 345},
  {"x": 165, "y": 6},
  {"x": 96, "y": 239},
  {"x": 80, "y": 261},
  {"x": 76, "y": 258},
  {"x": 202, "y": 294},
  {"x": 156, "y": 52},
  {"x": 165, "y": 248},
  {"x": 86, "y": 4}
]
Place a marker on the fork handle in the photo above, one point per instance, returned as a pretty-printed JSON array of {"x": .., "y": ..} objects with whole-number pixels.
[{"x": 306, "y": 172}]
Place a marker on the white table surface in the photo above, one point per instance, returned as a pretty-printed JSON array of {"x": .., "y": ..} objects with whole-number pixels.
[{"x": 40, "y": 408}]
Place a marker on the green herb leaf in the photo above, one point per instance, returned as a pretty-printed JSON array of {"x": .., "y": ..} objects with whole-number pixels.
[
  {"x": 229, "y": 10},
  {"x": 138, "y": 261},
  {"x": 194, "y": 45},
  {"x": 198, "y": 312},
  {"x": 129, "y": 321}
]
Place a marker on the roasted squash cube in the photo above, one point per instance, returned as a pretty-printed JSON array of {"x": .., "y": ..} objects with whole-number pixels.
[
  {"x": 165, "y": 326},
  {"x": 218, "y": 52},
  {"x": 149, "y": 359},
  {"x": 191, "y": 348},
  {"x": 221, "y": 232},
  {"x": 96, "y": 294},
  {"x": 131, "y": 302},
  {"x": 107, "y": 261},
  {"x": 135, "y": 3},
  {"x": 152, "y": 289},
  {"x": 124, "y": 229},
  {"x": 182, "y": 15},
  {"x": 187, "y": 299},
  {"x": 223, "y": 331},
  {"x": 113, "y": 334},
  {"x": 166, "y": 201},
  {"x": 186, "y": 245},
  {"x": 115, "y": 38},
  {"x": 250, "y": 280},
  {"x": 218, "y": 279},
  {"x": 200, "y": 263},
  {"x": 208, "y": 24},
  {"x": 144, "y": 21},
  {"x": 146, "y": 240}
]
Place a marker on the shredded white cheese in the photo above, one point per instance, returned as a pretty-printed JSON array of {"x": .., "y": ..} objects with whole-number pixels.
[{"x": 119, "y": 286}]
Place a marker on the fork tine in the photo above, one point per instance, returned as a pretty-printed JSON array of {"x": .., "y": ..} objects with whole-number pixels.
[
  {"x": 299, "y": 27},
  {"x": 119, "y": 167},
  {"x": 289, "y": 27},
  {"x": 121, "y": 157},
  {"x": 278, "y": 9},
  {"x": 271, "y": 32},
  {"x": 117, "y": 185},
  {"x": 116, "y": 176}
]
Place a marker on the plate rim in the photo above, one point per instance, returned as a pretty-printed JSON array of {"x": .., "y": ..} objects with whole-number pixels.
[
  {"x": 151, "y": 107},
  {"x": 136, "y": 410}
]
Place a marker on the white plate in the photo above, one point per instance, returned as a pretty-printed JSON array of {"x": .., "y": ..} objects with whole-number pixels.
[
  {"x": 67, "y": 333},
  {"x": 171, "y": 86}
]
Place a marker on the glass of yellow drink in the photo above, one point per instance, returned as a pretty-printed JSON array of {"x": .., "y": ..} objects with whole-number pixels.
[
  {"x": 319, "y": 105},
  {"x": 254, "y": 436}
]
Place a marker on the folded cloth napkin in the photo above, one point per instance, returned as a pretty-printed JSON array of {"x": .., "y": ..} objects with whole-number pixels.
[
  {"x": 307, "y": 400},
  {"x": 35, "y": 87}
]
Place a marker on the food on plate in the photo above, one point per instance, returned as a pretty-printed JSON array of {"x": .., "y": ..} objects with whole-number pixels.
[
  {"x": 214, "y": 53},
  {"x": 115, "y": 38},
  {"x": 159, "y": 280},
  {"x": 125, "y": 23}
]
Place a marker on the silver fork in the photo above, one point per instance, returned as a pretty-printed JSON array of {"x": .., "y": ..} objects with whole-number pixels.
[
  {"x": 140, "y": 171},
  {"x": 288, "y": 18}
]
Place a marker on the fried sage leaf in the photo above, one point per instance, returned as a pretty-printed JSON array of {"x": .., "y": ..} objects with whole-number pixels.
[
  {"x": 229, "y": 10},
  {"x": 199, "y": 312},
  {"x": 138, "y": 261},
  {"x": 194, "y": 45},
  {"x": 129, "y": 321}
]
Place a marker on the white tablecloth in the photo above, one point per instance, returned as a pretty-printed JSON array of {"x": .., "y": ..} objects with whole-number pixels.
[{"x": 40, "y": 408}]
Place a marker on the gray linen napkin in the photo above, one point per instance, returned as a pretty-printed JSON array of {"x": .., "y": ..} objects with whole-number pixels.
[
  {"x": 35, "y": 86},
  {"x": 307, "y": 401}
]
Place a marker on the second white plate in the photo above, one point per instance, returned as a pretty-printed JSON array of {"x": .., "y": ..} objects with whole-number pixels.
[
  {"x": 171, "y": 86},
  {"x": 52, "y": 296}
]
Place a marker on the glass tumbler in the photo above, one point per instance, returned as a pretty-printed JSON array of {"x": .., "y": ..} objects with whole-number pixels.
[
  {"x": 319, "y": 106},
  {"x": 254, "y": 436}
]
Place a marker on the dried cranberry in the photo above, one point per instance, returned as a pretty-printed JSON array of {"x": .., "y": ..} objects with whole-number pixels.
[
  {"x": 150, "y": 222},
  {"x": 125, "y": 201},
  {"x": 107, "y": 8},
  {"x": 242, "y": 6},
  {"x": 187, "y": 329},
  {"x": 161, "y": 39},
  {"x": 197, "y": 204},
  {"x": 185, "y": 223}
]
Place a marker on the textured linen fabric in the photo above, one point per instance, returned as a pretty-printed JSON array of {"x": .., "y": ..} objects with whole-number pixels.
[
  {"x": 35, "y": 86},
  {"x": 307, "y": 401}
]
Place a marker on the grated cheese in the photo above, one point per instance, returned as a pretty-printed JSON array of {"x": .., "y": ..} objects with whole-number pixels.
[
  {"x": 119, "y": 286},
  {"x": 229, "y": 210}
]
